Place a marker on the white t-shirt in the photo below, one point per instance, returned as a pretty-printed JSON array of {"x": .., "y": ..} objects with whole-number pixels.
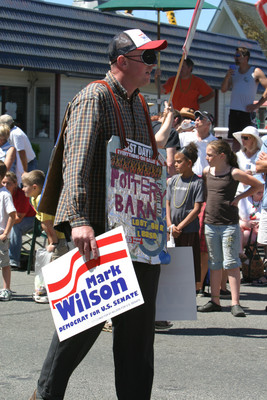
[
  {"x": 188, "y": 137},
  {"x": 246, "y": 163},
  {"x": 21, "y": 142},
  {"x": 6, "y": 207}
]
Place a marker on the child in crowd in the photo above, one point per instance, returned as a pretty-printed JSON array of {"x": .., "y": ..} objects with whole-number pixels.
[
  {"x": 222, "y": 221},
  {"x": 185, "y": 194},
  {"x": 24, "y": 221},
  {"x": 33, "y": 182},
  {"x": 7, "y": 218}
]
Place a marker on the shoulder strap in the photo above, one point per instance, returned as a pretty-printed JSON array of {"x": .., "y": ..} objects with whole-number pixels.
[
  {"x": 120, "y": 122},
  {"x": 118, "y": 114}
]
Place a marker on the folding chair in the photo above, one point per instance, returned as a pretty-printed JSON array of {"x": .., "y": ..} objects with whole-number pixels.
[{"x": 31, "y": 240}]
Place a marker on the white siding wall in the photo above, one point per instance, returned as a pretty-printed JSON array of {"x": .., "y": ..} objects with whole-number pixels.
[{"x": 69, "y": 87}]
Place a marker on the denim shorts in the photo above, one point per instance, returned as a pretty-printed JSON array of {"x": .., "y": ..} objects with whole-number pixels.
[
  {"x": 4, "y": 256},
  {"x": 223, "y": 242}
]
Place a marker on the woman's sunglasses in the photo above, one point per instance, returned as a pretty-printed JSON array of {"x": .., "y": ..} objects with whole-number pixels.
[
  {"x": 148, "y": 57},
  {"x": 245, "y": 137}
]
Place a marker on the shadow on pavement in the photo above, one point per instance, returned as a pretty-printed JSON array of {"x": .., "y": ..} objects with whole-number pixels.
[{"x": 239, "y": 332}]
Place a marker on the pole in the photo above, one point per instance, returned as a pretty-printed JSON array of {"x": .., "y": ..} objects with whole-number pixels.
[
  {"x": 176, "y": 78},
  {"x": 158, "y": 66}
]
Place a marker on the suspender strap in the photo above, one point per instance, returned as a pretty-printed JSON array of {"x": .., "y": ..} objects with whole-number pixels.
[
  {"x": 150, "y": 129},
  {"x": 120, "y": 122},
  {"x": 118, "y": 115}
]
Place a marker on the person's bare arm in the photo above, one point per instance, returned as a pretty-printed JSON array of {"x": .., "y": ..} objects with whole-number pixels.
[
  {"x": 206, "y": 98},
  {"x": 23, "y": 158},
  {"x": 10, "y": 223},
  {"x": 261, "y": 78},
  {"x": 227, "y": 82},
  {"x": 261, "y": 163},
  {"x": 10, "y": 157},
  {"x": 163, "y": 133}
]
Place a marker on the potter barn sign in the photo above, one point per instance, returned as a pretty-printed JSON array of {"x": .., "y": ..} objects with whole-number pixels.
[{"x": 136, "y": 199}]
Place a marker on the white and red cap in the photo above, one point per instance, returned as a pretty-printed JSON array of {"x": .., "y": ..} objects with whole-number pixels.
[{"x": 130, "y": 40}]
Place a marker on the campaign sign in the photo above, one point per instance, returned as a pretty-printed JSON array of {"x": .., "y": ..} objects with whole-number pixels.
[
  {"x": 84, "y": 293},
  {"x": 136, "y": 198}
]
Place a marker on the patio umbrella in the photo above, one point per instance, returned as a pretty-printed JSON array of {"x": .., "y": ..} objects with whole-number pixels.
[{"x": 157, "y": 5}]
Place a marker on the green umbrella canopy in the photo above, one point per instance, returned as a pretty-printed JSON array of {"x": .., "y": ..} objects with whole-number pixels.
[{"x": 159, "y": 5}]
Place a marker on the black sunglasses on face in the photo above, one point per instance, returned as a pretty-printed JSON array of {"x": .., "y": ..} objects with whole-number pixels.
[
  {"x": 245, "y": 137},
  {"x": 148, "y": 57},
  {"x": 202, "y": 118}
]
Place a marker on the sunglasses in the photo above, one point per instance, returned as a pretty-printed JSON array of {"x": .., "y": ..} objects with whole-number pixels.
[
  {"x": 201, "y": 118},
  {"x": 148, "y": 57},
  {"x": 245, "y": 137}
]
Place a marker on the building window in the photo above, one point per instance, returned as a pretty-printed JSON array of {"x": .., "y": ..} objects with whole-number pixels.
[
  {"x": 13, "y": 101},
  {"x": 42, "y": 114}
]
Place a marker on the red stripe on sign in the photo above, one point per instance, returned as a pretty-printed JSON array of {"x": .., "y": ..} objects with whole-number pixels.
[
  {"x": 54, "y": 286},
  {"x": 109, "y": 240},
  {"x": 100, "y": 243},
  {"x": 107, "y": 258}
]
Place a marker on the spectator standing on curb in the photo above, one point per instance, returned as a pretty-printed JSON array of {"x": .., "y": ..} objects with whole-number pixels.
[
  {"x": 190, "y": 91},
  {"x": 243, "y": 79},
  {"x": 222, "y": 230}
]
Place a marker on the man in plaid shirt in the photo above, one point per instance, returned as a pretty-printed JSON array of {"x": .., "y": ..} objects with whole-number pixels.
[{"x": 91, "y": 123}]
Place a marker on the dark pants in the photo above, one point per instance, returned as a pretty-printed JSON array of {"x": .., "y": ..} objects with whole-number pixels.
[
  {"x": 133, "y": 339},
  {"x": 238, "y": 120}
]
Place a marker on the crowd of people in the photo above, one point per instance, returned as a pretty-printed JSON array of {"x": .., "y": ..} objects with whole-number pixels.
[{"x": 216, "y": 197}]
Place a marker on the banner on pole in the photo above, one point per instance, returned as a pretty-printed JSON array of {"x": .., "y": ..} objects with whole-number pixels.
[
  {"x": 192, "y": 28},
  {"x": 84, "y": 293},
  {"x": 261, "y": 7},
  {"x": 136, "y": 199}
]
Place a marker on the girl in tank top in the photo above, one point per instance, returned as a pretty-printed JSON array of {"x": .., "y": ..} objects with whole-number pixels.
[
  {"x": 222, "y": 221},
  {"x": 185, "y": 194}
]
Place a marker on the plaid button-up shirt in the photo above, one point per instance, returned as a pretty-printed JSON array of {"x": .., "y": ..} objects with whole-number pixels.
[{"x": 91, "y": 123}]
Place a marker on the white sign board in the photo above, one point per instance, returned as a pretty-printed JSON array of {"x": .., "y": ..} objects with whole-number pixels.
[
  {"x": 84, "y": 293},
  {"x": 176, "y": 299}
]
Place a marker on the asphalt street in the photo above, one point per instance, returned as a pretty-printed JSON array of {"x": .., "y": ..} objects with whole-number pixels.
[{"x": 216, "y": 357}]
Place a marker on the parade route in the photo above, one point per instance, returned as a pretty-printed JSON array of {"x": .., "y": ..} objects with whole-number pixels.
[{"x": 216, "y": 357}]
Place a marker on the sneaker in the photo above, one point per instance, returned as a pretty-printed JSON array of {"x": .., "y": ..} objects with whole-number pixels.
[
  {"x": 225, "y": 294},
  {"x": 5, "y": 295},
  {"x": 107, "y": 327},
  {"x": 163, "y": 324},
  {"x": 41, "y": 291},
  {"x": 40, "y": 298},
  {"x": 237, "y": 311},
  {"x": 209, "y": 307},
  {"x": 14, "y": 264}
]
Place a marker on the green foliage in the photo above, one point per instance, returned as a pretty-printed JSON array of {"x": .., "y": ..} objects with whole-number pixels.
[{"x": 37, "y": 149}]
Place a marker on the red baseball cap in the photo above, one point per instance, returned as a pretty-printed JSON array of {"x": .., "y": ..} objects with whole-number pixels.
[{"x": 130, "y": 40}]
